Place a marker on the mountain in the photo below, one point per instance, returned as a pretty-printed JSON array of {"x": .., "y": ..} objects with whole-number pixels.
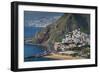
[{"x": 57, "y": 30}]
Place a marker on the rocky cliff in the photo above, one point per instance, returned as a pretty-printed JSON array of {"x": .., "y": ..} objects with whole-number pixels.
[{"x": 56, "y": 31}]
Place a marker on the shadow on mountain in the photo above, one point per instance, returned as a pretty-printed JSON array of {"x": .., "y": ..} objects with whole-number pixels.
[{"x": 57, "y": 30}]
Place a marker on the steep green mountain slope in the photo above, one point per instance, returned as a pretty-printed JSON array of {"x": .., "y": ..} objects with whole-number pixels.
[{"x": 57, "y": 30}]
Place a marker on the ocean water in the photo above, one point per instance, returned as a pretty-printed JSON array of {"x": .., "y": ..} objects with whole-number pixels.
[
  {"x": 31, "y": 31},
  {"x": 31, "y": 50}
]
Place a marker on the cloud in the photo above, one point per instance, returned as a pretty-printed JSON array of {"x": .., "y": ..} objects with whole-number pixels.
[{"x": 42, "y": 22}]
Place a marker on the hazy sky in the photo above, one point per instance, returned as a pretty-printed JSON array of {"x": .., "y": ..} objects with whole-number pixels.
[{"x": 40, "y": 19}]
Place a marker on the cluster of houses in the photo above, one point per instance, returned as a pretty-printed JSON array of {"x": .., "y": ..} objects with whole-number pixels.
[{"x": 76, "y": 38}]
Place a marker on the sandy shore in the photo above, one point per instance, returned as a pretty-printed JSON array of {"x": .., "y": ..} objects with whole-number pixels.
[{"x": 61, "y": 57}]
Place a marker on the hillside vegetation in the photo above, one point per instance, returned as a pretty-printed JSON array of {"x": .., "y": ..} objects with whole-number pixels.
[{"x": 57, "y": 30}]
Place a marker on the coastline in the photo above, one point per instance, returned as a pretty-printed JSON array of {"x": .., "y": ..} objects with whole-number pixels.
[
  {"x": 62, "y": 57},
  {"x": 58, "y": 56}
]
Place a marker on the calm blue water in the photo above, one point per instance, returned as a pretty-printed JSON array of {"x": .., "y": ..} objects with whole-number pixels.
[
  {"x": 31, "y": 31},
  {"x": 31, "y": 50}
]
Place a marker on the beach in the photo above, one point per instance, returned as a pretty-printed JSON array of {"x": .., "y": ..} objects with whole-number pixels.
[{"x": 61, "y": 57}]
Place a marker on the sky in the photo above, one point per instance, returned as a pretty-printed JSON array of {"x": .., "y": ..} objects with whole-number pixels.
[{"x": 40, "y": 19}]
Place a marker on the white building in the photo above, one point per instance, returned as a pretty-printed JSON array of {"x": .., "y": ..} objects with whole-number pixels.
[{"x": 77, "y": 37}]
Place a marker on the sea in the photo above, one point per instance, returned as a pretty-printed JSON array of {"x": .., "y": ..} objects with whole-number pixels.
[{"x": 31, "y": 50}]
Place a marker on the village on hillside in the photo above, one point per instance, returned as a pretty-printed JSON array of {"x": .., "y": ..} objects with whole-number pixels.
[
  {"x": 73, "y": 39},
  {"x": 75, "y": 45}
]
